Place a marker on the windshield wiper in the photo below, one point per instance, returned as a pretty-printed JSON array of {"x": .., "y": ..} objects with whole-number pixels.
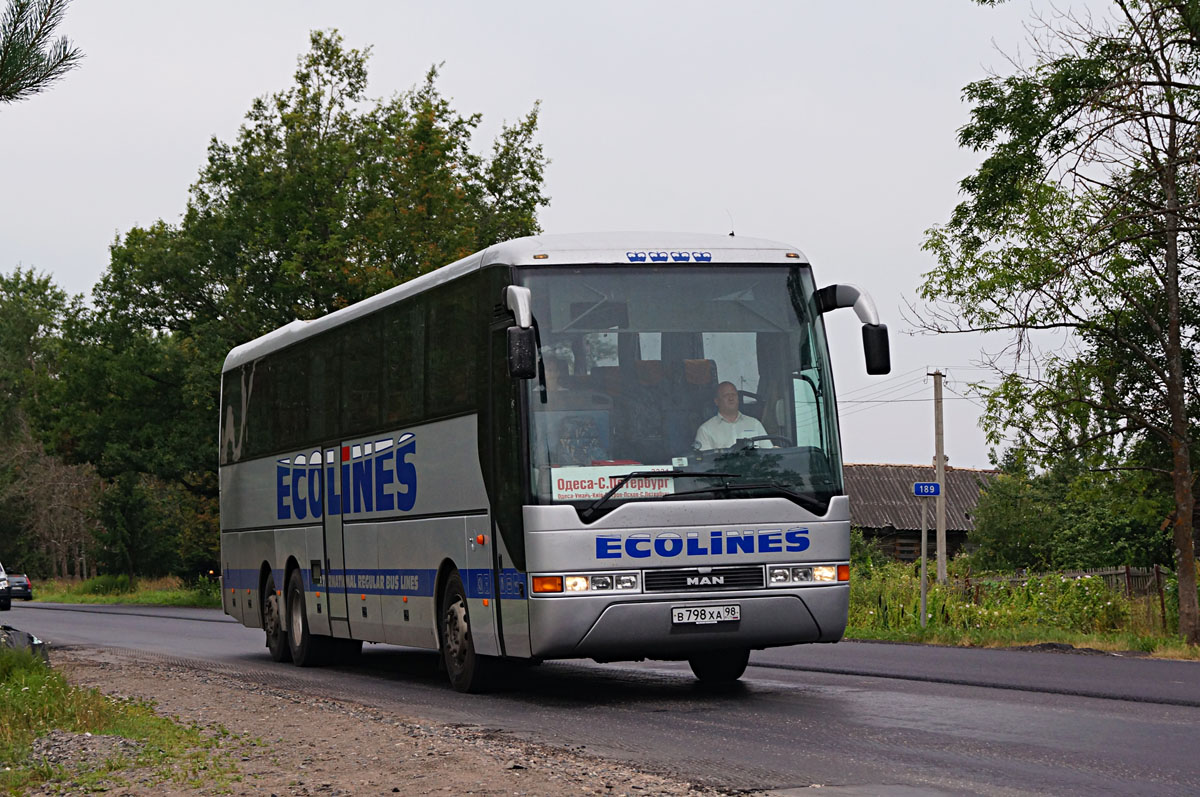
[
  {"x": 591, "y": 510},
  {"x": 806, "y": 501}
]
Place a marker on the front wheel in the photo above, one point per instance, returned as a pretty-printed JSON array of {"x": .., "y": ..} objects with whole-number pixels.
[
  {"x": 720, "y": 666},
  {"x": 466, "y": 669},
  {"x": 5, "y": 604}
]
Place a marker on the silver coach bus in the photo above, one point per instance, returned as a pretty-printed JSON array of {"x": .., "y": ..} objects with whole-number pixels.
[{"x": 606, "y": 446}]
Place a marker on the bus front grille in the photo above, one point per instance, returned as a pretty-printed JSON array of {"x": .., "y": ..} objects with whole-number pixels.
[{"x": 695, "y": 579}]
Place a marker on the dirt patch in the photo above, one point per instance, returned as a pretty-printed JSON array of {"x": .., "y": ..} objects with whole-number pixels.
[{"x": 283, "y": 743}]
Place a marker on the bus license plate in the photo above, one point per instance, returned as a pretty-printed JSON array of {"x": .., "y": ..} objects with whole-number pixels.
[{"x": 703, "y": 615}]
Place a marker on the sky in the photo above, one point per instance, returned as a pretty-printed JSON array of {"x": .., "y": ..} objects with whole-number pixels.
[{"x": 831, "y": 126}]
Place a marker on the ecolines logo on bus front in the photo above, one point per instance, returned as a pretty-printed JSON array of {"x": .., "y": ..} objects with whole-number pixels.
[
  {"x": 376, "y": 477},
  {"x": 694, "y": 543}
]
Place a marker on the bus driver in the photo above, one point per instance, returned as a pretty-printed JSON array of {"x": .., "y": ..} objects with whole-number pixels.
[{"x": 729, "y": 424}]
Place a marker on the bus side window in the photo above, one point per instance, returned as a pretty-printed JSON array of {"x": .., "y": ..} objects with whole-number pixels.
[
  {"x": 452, "y": 351},
  {"x": 360, "y": 376},
  {"x": 290, "y": 373},
  {"x": 231, "y": 416},
  {"x": 261, "y": 417},
  {"x": 404, "y": 349}
]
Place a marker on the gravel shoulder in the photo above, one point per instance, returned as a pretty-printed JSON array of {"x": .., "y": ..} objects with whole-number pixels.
[{"x": 283, "y": 743}]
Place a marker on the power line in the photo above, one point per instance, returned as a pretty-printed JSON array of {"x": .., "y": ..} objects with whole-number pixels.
[
  {"x": 874, "y": 385},
  {"x": 907, "y": 400}
]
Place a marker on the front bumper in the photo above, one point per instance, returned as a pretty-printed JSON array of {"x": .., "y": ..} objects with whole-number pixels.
[{"x": 639, "y": 627}]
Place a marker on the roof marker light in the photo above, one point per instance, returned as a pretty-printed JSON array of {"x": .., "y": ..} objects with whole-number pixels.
[
  {"x": 793, "y": 254},
  {"x": 541, "y": 257}
]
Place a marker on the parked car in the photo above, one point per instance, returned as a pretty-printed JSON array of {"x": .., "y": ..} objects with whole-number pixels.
[
  {"x": 5, "y": 591},
  {"x": 19, "y": 586}
]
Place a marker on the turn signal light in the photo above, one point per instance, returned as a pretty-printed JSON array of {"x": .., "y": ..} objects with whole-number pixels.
[
  {"x": 843, "y": 572},
  {"x": 547, "y": 584}
]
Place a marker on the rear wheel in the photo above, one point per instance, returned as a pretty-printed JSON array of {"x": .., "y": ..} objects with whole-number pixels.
[
  {"x": 720, "y": 666},
  {"x": 466, "y": 669},
  {"x": 272, "y": 622},
  {"x": 308, "y": 650}
]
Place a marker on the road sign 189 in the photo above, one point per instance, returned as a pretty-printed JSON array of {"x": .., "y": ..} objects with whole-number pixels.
[{"x": 922, "y": 489}]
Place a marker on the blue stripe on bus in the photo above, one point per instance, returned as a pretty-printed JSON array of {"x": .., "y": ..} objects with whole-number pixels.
[
  {"x": 478, "y": 583},
  {"x": 366, "y": 581}
]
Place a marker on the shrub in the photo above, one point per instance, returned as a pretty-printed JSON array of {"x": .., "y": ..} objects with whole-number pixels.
[
  {"x": 105, "y": 585},
  {"x": 887, "y": 598}
]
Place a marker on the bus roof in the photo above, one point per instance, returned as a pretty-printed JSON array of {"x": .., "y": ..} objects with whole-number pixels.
[{"x": 617, "y": 248}]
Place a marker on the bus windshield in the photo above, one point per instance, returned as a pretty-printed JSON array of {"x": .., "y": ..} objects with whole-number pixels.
[{"x": 719, "y": 370}]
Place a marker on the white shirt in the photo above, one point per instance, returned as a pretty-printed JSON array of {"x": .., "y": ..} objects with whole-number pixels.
[{"x": 717, "y": 432}]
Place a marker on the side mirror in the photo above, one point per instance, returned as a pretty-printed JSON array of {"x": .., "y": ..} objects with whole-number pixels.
[
  {"x": 876, "y": 349},
  {"x": 875, "y": 339},
  {"x": 522, "y": 353}
]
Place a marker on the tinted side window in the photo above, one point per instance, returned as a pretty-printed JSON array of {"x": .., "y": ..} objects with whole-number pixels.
[
  {"x": 261, "y": 418},
  {"x": 289, "y": 376},
  {"x": 361, "y": 377},
  {"x": 454, "y": 332},
  {"x": 324, "y": 377},
  {"x": 231, "y": 416},
  {"x": 403, "y": 347}
]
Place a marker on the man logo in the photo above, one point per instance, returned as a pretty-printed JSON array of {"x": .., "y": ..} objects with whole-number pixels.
[{"x": 705, "y": 581}]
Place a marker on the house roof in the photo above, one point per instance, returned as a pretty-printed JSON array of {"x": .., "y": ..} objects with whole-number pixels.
[{"x": 881, "y": 496}]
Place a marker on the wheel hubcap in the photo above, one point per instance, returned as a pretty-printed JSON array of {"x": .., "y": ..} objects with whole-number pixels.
[
  {"x": 296, "y": 628},
  {"x": 272, "y": 620},
  {"x": 458, "y": 633}
]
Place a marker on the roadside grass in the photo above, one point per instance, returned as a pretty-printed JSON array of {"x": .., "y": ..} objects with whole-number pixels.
[
  {"x": 164, "y": 591},
  {"x": 1081, "y": 612},
  {"x": 35, "y": 700}
]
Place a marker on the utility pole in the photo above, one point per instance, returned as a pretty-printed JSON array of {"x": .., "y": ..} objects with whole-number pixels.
[{"x": 939, "y": 447}]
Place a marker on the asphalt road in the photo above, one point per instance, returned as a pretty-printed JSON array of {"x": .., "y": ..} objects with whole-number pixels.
[{"x": 854, "y": 718}]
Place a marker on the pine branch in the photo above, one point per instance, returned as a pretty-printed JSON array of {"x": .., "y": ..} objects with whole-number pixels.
[{"x": 30, "y": 59}]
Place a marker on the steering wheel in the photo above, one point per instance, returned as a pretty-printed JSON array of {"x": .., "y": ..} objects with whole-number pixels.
[{"x": 748, "y": 442}]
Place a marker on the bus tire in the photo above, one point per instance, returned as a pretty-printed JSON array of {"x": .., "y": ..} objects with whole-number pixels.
[
  {"x": 308, "y": 650},
  {"x": 720, "y": 666},
  {"x": 465, "y": 668},
  {"x": 272, "y": 622}
]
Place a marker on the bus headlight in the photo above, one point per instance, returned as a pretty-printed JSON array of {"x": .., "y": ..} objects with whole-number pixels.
[
  {"x": 798, "y": 575},
  {"x": 585, "y": 582}
]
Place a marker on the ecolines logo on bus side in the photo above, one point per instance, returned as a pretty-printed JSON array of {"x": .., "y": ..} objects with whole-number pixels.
[
  {"x": 668, "y": 543},
  {"x": 376, "y": 477}
]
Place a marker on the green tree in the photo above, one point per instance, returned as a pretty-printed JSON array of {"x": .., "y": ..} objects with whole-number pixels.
[
  {"x": 1078, "y": 236},
  {"x": 32, "y": 312},
  {"x": 30, "y": 57},
  {"x": 47, "y": 506},
  {"x": 1070, "y": 518},
  {"x": 324, "y": 198}
]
